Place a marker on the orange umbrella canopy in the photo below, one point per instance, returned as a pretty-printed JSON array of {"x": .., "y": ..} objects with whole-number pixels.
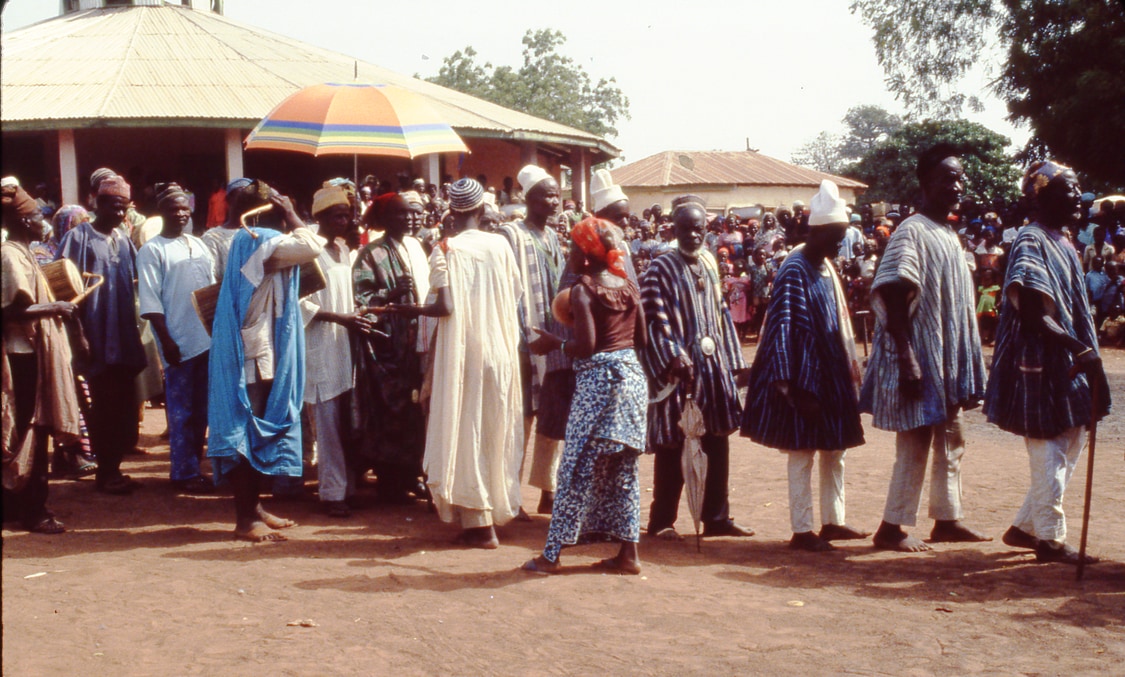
[{"x": 355, "y": 119}]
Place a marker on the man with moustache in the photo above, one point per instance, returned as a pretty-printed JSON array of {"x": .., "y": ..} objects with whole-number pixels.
[{"x": 926, "y": 363}]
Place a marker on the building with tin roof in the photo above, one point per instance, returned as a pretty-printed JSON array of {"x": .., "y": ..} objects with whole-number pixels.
[
  {"x": 160, "y": 90},
  {"x": 724, "y": 179}
]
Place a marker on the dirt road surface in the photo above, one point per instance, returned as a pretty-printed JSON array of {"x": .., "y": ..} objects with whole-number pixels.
[{"x": 154, "y": 584}]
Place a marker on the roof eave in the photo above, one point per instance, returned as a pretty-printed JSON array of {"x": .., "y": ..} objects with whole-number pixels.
[{"x": 55, "y": 124}]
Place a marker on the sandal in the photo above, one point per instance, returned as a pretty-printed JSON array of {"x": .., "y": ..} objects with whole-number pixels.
[
  {"x": 84, "y": 467},
  {"x": 667, "y": 534},
  {"x": 47, "y": 525}
]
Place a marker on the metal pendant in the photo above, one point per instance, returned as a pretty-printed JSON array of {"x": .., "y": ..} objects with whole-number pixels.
[{"x": 707, "y": 346}]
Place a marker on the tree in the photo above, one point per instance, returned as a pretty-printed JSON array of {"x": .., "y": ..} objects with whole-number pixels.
[
  {"x": 822, "y": 154},
  {"x": 460, "y": 71},
  {"x": 889, "y": 168},
  {"x": 1063, "y": 74},
  {"x": 548, "y": 85},
  {"x": 867, "y": 125}
]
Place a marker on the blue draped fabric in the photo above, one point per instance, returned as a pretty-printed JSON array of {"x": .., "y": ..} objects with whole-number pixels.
[{"x": 271, "y": 444}]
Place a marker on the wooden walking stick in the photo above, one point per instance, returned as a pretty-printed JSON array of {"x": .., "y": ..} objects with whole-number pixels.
[{"x": 1095, "y": 386}]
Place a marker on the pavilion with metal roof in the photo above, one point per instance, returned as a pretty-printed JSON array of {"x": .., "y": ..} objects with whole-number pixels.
[{"x": 174, "y": 89}]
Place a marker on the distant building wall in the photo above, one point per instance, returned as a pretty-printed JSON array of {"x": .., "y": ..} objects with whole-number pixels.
[
  {"x": 720, "y": 197},
  {"x": 496, "y": 159}
]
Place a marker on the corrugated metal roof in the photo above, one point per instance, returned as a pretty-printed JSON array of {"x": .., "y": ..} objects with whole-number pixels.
[
  {"x": 170, "y": 63},
  {"x": 720, "y": 168}
]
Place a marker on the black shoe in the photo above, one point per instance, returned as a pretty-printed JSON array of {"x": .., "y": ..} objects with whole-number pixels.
[
  {"x": 199, "y": 486},
  {"x": 727, "y": 528},
  {"x": 1064, "y": 555},
  {"x": 117, "y": 486},
  {"x": 337, "y": 509},
  {"x": 1018, "y": 538}
]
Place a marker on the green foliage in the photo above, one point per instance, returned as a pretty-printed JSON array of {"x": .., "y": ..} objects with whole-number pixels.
[
  {"x": 889, "y": 167},
  {"x": 866, "y": 125},
  {"x": 926, "y": 46},
  {"x": 548, "y": 85},
  {"x": 1063, "y": 75}
]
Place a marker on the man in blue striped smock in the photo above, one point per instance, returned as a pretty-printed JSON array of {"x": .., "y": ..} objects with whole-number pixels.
[
  {"x": 1046, "y": 363},
  {"x": 926, "y": 363},
  {"x": 548, "y": 380},
  {"x": 802, "y": 396},
  {"x": 692, "y": 350}
]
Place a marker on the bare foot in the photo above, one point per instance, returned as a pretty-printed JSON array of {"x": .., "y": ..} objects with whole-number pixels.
[
  {"x": 478, "y": 537},
  {"x": 841, "y": 532},
  {"x": 273, "y": 521},
  {"x": 619, "y": 566},
  {"x": 522, "y": 516},
  {"x": 809, "y": 541},
  {"x": 892, "y": 537},
  {"x": 952, "y": 531},
  {"x": 1018, "y": 538},
  {"x": 540, "y": 565},
  {"x": 258, "y": 532}
]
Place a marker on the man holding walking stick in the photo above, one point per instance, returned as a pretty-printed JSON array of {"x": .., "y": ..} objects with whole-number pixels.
[{"x": 1047, "y": 380}]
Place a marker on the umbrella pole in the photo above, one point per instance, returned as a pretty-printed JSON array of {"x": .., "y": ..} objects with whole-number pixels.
[{"x": 1095, "y": 385}]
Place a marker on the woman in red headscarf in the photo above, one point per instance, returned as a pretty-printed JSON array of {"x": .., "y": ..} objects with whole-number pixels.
[{"x": 598, "y": 497}]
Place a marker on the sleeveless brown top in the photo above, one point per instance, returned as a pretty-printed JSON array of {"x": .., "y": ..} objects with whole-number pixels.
[{"x": 615, "y": 314}]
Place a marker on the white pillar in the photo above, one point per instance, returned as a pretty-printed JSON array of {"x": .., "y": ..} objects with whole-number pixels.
[
  {"x": 579, "y": 176},
  {"x": 428, "y": 167},
  {"x": 433, "y": 169},
  {"x": 234, "y": 154},
  {"x": 68, "y": 168},
  {"x": 529, "y": 154}
]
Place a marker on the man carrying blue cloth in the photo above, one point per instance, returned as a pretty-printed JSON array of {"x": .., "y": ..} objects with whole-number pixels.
[{"x": 257, "y": 369}]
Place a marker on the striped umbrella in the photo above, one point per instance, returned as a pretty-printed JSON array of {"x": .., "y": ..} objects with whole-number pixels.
[{"x": 355, "y": 119}]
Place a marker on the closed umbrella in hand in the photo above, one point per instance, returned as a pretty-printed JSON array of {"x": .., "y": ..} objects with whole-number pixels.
[{"x": 694, "y": 462}]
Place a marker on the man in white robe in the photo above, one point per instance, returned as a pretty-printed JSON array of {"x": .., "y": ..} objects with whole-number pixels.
[{"x": 474, "y": 436}]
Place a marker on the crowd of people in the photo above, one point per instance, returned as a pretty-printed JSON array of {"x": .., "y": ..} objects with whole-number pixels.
[{"x": 425, "y": 340}]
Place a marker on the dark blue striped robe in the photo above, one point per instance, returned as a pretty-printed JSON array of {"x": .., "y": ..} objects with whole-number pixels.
[
  {"x": 1030, "y": 391},
  {"x": 677, "y": 315},
  {"x": 801, "y": 344}
]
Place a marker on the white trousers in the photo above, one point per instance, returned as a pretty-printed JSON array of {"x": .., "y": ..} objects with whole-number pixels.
[
  {"x": 545, "y": 457},
  {"x": 472, "y": 518},
  {"x": 800, "y": 489},
  {"x": 335, "y": 483},
  {"x": 912, "y": 447},
  {"x": 1052, "y": 463}
]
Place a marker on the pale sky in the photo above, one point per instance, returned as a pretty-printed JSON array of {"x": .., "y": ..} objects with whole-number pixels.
[{"x": 699, "y": 76}]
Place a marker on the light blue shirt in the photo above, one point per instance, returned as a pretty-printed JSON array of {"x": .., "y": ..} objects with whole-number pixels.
[{"x": 168, "y": 271}]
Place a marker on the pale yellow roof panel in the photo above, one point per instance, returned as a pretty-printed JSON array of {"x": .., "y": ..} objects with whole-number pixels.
[{"x": 134, "y": 65}]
